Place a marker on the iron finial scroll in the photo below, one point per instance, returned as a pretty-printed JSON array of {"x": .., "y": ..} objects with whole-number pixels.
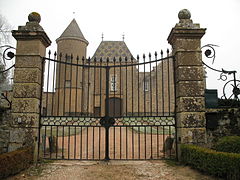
[
  {"x": 233, "y": 84},
  {"x": 8, "y": 53}
]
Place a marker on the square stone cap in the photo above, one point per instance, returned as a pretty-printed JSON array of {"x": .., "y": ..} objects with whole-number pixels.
[
  {"x": 182, "y": 32},
  {"x": 32, "y": 35}
]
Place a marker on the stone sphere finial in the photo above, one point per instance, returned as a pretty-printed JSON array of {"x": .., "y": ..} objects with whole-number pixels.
[
  {"x": 184, "y": 14},
  {"x": 34, "y": 17}
]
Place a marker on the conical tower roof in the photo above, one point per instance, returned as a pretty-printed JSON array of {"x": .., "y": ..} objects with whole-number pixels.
[{"x": 72, "y": 32}]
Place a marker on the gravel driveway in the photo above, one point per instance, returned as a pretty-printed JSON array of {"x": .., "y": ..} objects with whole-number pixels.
[{"x": 112, "y": 170}]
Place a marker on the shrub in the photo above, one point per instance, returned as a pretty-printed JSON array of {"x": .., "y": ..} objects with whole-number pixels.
[
  {"x": 15, "y": 161},
  {"x": 229, "y": 144},
  {"x": 221, "y": 164}
]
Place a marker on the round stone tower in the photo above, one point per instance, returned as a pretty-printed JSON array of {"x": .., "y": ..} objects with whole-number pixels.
[
  {"x": 72, "y": 41},
  {"x": 69, "y": 77}
]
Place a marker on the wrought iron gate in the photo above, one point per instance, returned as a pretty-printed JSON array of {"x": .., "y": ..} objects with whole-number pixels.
[{"x": 101, "y": 109}]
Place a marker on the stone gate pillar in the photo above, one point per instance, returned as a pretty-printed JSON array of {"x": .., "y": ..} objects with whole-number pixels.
[
  {"x": 185, "y": 39},
  {"x": 31, "y": 46}
]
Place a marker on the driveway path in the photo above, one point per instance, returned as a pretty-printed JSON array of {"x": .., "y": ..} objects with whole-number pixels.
[{"x": 112, "y": 170}]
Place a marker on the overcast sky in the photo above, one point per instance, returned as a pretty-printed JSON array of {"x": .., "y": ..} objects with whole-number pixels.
[{"x": 145, "y": 23}]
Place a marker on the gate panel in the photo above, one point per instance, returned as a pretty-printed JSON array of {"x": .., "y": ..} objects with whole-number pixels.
[
  {"x": 108, "y": 108},
  {"x": 140, "y": 142},
  {"x": 72, "y": 140}
]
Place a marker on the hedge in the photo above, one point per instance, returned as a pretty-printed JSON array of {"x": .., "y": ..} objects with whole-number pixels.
[
  {"x": 221, "y": 164},
  {"x": 13, "y": 162},
  {"x": 228, "y": 144}
]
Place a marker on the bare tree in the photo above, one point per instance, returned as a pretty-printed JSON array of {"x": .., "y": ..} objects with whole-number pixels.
[
  {"x": 5, "y": 38},
  {"x": 5, "y": 31}
]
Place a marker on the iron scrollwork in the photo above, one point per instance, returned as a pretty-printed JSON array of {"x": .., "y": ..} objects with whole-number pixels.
[
  {"x": 234, "y": 84},
  {"x": 7, "y": 55}
]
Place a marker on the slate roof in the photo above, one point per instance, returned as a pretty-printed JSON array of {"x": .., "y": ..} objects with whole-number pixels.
[
  {"x": 72, "y": 32},
  {"x": 111, "y": 49}
]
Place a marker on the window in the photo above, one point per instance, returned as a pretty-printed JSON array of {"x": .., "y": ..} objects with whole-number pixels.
[
  {"x": 113, "y": 83},
  {"x": 145, "y": 85},
  {"x": 68, "y": 83}
]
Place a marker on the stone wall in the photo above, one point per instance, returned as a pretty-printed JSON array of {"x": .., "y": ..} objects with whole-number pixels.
[
  {"x": 222, "y": 122},
  {"x": 4, "y": 129},
  {"x": 5, "y": 120}
]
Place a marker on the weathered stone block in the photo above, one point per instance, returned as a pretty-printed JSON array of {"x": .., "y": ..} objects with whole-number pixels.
[
  {"x": 191, "y": 120},
  {"x": 17, "y": 135},
  {"x": 26, "y": 119},
  {"x": 182, "y": 38},
  {"x": 190, "y": 104},
  {"x": 188, "y": 59},
  {"x": 29, "y": 105},
  {"x": 193, "y": 135},
  {"x": 30, "y": 47},
  {"x": 31, "y": 61},
  {"x": 187, "y": 44},
  {"x": 3, "y": 146},
  {"x": 189, "y": 73},
  {"x": 27, "y": 90},
  {"x": 27, "y": 75},
  {"x": 14, "y": 146},
  {"x": 4, "y": 133},
  {"x": 190, "y": 89}
]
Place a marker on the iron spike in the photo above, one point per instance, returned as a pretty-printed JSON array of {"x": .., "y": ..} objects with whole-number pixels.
[
  {"x": 120, "y": 58},
  {"x": 83, "y": 58},
  {"x": 107, "y": 59},
  {"x": 138, "y": 57},
  {"x": 132, "y": 58},
  {"x": 71, "y": 56},
  {"x": 161, "y": 53},
  {"x": 95, "y": 59},
  {"x": 114, "y": 59},
  {"x": 49, "y": 53},
  {"x": 167, "y": 52},
  {"x": 89, "y": 59},
  {"x": 155, "y": 54},
  {"x": 77, "y": 58},
  {"x": 144, "y": 56},
  {"x": 126, "y": 58},
  {"x": 55, "y": 55}
]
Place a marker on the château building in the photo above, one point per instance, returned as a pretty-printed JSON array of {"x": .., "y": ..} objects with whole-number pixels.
[{"x": 134, "y": 90}]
